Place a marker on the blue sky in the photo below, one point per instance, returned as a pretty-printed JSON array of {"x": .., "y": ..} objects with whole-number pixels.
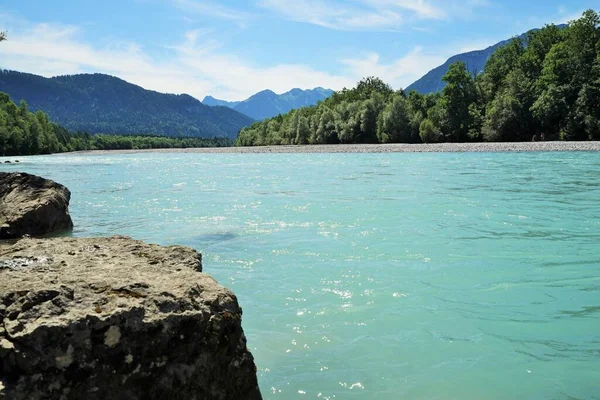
[{"x": 233, "y": 49}]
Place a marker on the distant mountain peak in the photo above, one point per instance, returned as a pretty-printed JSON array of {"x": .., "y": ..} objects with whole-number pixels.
[
  {"x": 267, "y": 103},
  {"x": 263, "y": 94},
  {"x": 211, "y": 101},
  {"x": 267, "y": 91}
]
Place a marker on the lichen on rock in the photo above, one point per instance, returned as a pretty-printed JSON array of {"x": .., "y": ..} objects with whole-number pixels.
[{"x": 115, "y": 318}]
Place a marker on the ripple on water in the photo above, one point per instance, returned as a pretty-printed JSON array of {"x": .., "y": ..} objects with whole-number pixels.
[{"x": 378, "y": 275}]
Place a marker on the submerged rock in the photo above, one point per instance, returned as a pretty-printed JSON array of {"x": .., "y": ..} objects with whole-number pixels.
[
  {"x": 31, "y": 205},
  {"x": 115, "y": 318}
]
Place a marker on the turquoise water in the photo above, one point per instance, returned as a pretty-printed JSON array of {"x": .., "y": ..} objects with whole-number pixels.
[{"x": 378, "y": 276}]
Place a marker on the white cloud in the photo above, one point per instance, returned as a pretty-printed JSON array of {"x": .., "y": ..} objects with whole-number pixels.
[
  {"x": 399, "y": 73},
  {"x": 402, "y": 72},
  {"x": 235, "y": 78},
  {"x": 195, "y": 66}
]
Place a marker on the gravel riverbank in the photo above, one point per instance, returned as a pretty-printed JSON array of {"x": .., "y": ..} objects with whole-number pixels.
[{"x": 384, "y": 148}]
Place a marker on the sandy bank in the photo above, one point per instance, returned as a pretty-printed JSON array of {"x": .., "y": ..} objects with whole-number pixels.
[{"x": 382, "y": 148}]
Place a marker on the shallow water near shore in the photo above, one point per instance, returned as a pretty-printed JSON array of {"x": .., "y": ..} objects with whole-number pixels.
[{"x": 378, "y": 276}]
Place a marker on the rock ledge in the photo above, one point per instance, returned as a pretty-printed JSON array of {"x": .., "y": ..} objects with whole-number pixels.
[{"x": 115, "y": 318}]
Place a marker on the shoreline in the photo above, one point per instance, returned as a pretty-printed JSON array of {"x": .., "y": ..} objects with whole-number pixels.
[{"x": 375, "y": 148}]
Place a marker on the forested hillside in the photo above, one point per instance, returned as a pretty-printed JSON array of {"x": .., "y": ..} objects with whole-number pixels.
[
  {"x": 475, "y": 61},
  {"x": 99, "y": 103},
  {"x": 23, "y": 133},
  {"x": 549, "y": 87}
]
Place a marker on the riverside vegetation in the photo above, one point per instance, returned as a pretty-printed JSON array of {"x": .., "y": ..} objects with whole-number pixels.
[
  {"x": 25, "y": 133},
  {"x": 544, "y": 86}
]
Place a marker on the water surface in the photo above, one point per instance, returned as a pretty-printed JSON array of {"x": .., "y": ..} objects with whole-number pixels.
[{"x": 378, "y": 276}]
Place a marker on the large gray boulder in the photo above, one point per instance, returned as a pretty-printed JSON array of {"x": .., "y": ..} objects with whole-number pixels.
[
  {"x": 115, "y": 318},
  {"x": 31, "y": 205}
]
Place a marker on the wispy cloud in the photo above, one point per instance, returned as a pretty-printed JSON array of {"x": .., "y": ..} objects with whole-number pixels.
[
  {"x": 212, "y": 9},
  {"x": 334, "y": 15},
  {"x": 422, "y": 8},
  {"x": 373, "y": 15}
]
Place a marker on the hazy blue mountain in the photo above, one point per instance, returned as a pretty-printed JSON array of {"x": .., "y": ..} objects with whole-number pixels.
[
  {"x": 475, "y": 61},
  {"x": 99, "y": 103},
  {"x": 211, "y": 101},
  {"x": 267, "y": 104}
]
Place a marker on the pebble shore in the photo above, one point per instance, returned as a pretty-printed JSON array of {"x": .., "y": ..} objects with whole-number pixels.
[{"x": 386, "y": 148}]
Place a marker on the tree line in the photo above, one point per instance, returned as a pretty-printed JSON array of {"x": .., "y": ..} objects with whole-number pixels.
[
  {"x": 25, "y": 133},
  {"x": 546, "y": 86}
]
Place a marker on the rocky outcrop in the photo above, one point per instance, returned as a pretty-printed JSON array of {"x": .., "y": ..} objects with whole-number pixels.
[
  {"x": 31, "y": 205},
  {"x": 115, "y": 318}
]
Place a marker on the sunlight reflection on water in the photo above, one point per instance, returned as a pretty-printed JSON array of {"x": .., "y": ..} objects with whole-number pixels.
[{"x": 378, "y": 275}]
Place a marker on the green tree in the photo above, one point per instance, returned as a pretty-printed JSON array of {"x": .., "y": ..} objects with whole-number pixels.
[
  {"x": 370, "y": 85},
  {"x": 457, "y": 96},
  {"x": 326, "y": 131},
  {"x": 368, "y": 122},
  {"x": 394, "y": 123},
  {"x": 584, "y": 40},
  {"x": 302, "y": 131},
  {"x": 429, "y": 133},
  {"x": 539, "y": 44},
  {"x": 551, "y": 110},
  {"x": 418, "y": 107},
  {"x": 504, "y": 60},
  {"x": 509, "y": 116},
  {"x": 277, "y": 135},
  {"x": 347, "y": 122}
]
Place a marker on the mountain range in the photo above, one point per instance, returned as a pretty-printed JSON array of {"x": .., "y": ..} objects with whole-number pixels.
[
  {"x": 99, "y": 103},
  {"x": 268, "y": 104},
  {"x": 475, "y": 60}
]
